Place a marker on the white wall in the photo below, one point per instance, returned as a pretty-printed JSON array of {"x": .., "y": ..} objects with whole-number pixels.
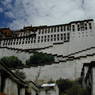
[
  {"x": 10, "y": 87},
  {"x": 21, "y": 55},
  {"x": 69, "y": 70}
]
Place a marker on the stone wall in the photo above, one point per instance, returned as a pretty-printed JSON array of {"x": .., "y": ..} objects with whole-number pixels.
[
  {"x": 69, "y": 70},
  {"x": 23, "y": 56}
]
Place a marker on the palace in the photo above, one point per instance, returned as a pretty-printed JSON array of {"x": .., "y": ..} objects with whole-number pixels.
[
  {"x": 71, "y": 44},
  {"x": 61, "y": 39}
]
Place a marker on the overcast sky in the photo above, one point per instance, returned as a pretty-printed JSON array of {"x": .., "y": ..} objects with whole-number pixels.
[{"x": 18, "y": 13}]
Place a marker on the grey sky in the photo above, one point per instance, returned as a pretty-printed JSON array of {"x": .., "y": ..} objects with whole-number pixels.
[{"x": 49, "y": 12}]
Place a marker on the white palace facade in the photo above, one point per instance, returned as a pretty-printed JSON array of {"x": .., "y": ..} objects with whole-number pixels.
[
  {"x": 61, "y": 39},
  {"x": 72, "y": 44}
]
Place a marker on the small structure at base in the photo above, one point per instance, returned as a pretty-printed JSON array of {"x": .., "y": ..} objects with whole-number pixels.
[{"x": 49, "y": 89}]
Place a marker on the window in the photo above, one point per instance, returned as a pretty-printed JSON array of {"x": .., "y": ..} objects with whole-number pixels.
[
  {"x": 54, "y": 29},
  {"x": 26, "y": 41},
  {"x": 82, "y": 26},
  {"x": 73, "y": 28},
  {"x": 48, "y": 37},
  {"x": 57, "y": 36},
  {"x": 16, "y": 42},
  {"x": 54, "y": 37},
  {"x": 64, "y": 37},
  {"x": 61, "y": 28},
  {"x": 41, "y": 38},
  {"x": 51, "y": 37},
  {"x": 64, "y": 28},
  {"x": 90, "y": 26},
  {"x": 29, "y": 38},
  {"x": 42, "y": 31},
  {"x": 68, "y": 36},
  {"x": 48, "y": 30},
  {"x": 11, "y": 42},
  {"x": 22, "y": 42},
  {"x": 39, "y": 31},
  {"x": 68, "y": 28},
  {"x": 3, "y": 43},
  {"x": 51, "y": 29},
  {"x": 85, "y": 26},
  {"x": 34, "y": 40},
  {"x": 61, "y": 36},
  {"x": 45, "y": 30},
  {"x": 38, "y": 39},
  {"x": 78, "y": 27},
  {"x": 45, "y": 38},
  {"x": 57, "y": 28}
]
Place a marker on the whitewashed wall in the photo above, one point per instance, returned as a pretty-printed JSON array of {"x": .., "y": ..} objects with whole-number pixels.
[
  {"x": 69, "y": 69},
  {"x": 10, "y": 87},
  {"x": 21, "y": 55},
  {"x": 55, "y": 71}
]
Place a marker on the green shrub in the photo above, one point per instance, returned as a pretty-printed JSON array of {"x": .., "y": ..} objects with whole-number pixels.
[
  {"x": 77, "y": 90},
  {"x": 11, "y": 62},
  {"x": 71, "y": 87},
  {"x": 40, "y": 59}
]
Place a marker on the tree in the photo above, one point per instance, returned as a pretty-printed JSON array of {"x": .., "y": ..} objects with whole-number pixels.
[
  {"x": 40, "y": 59},
  {"x": 12, "y": 62},
  {"x": 63, "y": 85},
  {"x": 71, "y": 87}
]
